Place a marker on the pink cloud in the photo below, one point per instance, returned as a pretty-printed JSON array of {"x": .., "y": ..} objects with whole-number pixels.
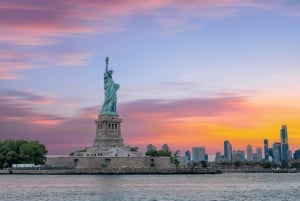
[
  {"x": 8, "y": 69},
  {"x": 180, "y": 123},
  {"x": 13, "y": 62},
  {"x": 141, "y": 121},
  {"x": 39, "y": 22},
  {"x": 60, "y": 134}
]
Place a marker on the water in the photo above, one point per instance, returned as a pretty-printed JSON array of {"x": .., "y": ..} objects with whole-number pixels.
[{"x": 233, "y": 187}]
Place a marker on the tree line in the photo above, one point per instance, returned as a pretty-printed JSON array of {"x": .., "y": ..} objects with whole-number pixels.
[{"x": 21, "y": 151}]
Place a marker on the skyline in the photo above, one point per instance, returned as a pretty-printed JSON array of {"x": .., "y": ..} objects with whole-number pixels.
[{"x": 193, "y": 73}]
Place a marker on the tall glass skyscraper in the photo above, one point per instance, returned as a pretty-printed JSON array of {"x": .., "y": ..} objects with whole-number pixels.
[
  {"x": 188, "y": 155},
  {"x": 227, "y": 151},
  {"x": 277, "y": 153},
  {"x": 249, "y": 153},
  {"x": 198, "y": 154},
  {"x": 285, "y": 153},
  {"x": 266, "y": 149}
]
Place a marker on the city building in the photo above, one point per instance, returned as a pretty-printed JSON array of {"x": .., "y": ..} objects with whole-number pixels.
[
  {"x": 249, "y": 153},
  {"x": 183, "y": 161},
  {"x": 151, "y": 147},
  {"x": 188, "y": 155},
  {"x": 258, "y": 154},
  {"x": 266, "y": 149},
  {"x": 297, "y": 154},
  {"x": 219, "y": 158},
  {"x": 255, "y": 157},
  {"x": 285, "y": 153},
  {"x": 277, "y": 152},
  {"x": 270, "y": 154},
  {"x": 239, "y": 155},
  {"x": 165, "y": 148},
  {"x": 198, "y": 154},
  {"x": 227, "y": 151},
  {"x": 206, "y": 157}
]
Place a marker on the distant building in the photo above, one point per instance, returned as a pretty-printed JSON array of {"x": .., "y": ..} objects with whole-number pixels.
[
  {"x": 285, "y": 155},
  {"x": 188, "y": 155},
  {"x": 219, "y": 158},
  {"x": 255, "y": 157},
  {"x": 206, "y": 157},
  {"x": 150, "y": 147},
  {"x": 239, "y": 155},
  {"x": 249, "y": 153},
  {"x": 30, "y": 165},
  {"x": 270, "y": 154},
  {"x": 198, "y": 154},
  {"x": 183, "y": 161},
  {"x": 297, "y": 154},
  {"x": 266, "y": 149},
  {"x": 277, "y": 152},
  {"x": 227, "y": 151},
  {"x": 165, "y": 148},
  {"x": 258, "y": 154}
]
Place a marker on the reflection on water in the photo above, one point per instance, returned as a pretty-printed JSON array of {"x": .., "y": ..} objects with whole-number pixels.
[{"x": 150, "y": 187}]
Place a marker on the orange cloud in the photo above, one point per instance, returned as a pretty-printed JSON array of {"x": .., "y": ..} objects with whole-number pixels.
[
  {"x": 208, "y": 122},
  {"x": 180, "y": 123}
]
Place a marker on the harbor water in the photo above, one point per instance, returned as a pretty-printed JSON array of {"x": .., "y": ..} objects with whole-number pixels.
[{"x": 233, "y": 187}]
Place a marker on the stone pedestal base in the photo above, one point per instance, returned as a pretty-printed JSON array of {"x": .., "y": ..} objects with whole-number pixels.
[{"x": 108, "y": 132}]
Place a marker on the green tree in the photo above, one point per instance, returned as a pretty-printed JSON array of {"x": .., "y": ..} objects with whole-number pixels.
[
  {"x": 174, "y": 158},
  {"x": 237, "y": 164},
  {"x": 267, "y": 165},
  {"x": 21, "y": 151},
  {"x": 134, "y": 149},
  {"x": 296, "y": 165},
  {"x": 158, "y": 153},
  {"x": 204, "y": 164}
]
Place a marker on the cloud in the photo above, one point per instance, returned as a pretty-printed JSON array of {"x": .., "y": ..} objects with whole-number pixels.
[
  {"x": 180, "y": 123},
  {"x": 12, "y": 62},
  {"x": 37, "y": 23},
  {"x": 60, "y": 134},
  {"x": 187, "y": 107},
  {"x": 28, "y": 96},
  {"x": 144, "y": 121},
  {"x": 186, "y": 122},
  {"x": 73, "y": 59}
]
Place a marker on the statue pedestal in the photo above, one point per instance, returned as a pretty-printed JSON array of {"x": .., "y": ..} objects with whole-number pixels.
[{"x": 108, "y": 132}]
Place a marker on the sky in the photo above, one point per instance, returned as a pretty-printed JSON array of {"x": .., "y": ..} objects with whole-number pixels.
[{"x": 192, "y": 73}]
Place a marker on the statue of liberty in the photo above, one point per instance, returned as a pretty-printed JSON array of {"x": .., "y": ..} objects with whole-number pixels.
[{"x": 109, "y": 106}]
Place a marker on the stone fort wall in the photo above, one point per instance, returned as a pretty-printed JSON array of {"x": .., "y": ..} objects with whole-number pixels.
[{"x": 109, "y": 162}]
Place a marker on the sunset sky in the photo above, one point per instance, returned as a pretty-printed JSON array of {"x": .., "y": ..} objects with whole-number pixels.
[{"x": 192, "y": 73}]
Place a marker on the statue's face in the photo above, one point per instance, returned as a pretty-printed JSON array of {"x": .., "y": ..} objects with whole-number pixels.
[{"x": 110, "y": 72}]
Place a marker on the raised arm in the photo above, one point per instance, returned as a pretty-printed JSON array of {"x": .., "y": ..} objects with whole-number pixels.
[{"x": 106, "y": 60}]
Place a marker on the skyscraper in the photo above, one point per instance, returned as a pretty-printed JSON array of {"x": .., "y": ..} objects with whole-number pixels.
[
  {"x": 266, "y": 149},
  {"x": 238, "y": 155},
  {"x": 285, "y": 153},
  {"x": 150, "y": 147},
  {"x": 188, "y": 155},
  {"x": 258, "y": 154},
  {"x": 218, "y": 157},
  {"x": 227, "y": 151},
  {"x": 297, "y": 154},
  {"x": 165, "y": 148},
  {"x": 198, "y": 154},
  {"x": 249, "y": 153},
  {"x": 277, "y": 152}
]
